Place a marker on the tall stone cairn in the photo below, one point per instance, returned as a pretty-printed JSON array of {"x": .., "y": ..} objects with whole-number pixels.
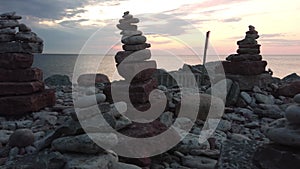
[
  {"x": 134, "y": 57},
  {"x": 21, "y": 87},
  {"x": 247, "y": 67}
]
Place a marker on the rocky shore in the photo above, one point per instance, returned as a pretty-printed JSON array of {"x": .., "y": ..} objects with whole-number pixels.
[{"x": 259, "y": 127}]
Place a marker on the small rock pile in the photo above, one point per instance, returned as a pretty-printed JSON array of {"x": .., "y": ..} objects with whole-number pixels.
[
  {"x": 21, "y": 87},
  {"x": 247, "y": 67},
  {"x": 134, "y": 66}
]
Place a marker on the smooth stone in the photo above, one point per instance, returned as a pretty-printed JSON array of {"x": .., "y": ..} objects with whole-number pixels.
[
  {"x": 293, "y": 114},
  {"x": 128, "y": 16},
  {"x": 129, "y": 21},
  {"x": 8, "y": 14},
  {"x": 243, "y": 57},
  {"x": 127, "y": 27},
  {"x": 128, "y": 33},
  {"x": 248, "y": 51},
  {"x": 264, "y": 99},
  {"x": 6, "y": 38},
  {"x": 167, "y": 118},
  {"x": 88, "y": 101},
  {"x": 134, "y": 40},
  {"x": 9, "y": 31},
  {"x": 297, "y": 98},
  {"x": 132, "y": 56},
  {"x": 224, "y": 125},
  {"x": 28, "y": 37},
  {"x": 8, "y": 23},
  {"x": 136, "y": 47},
  {"x": 24, "y": 28},
  {"x": 131, "y": 69},
  {"x": 4, "y": 136},
  {"x": 84, "y": 144},
  {"x": 239, "y": 137},
  {"x": 245, "y": 96},
  {"x": 284, "y": 136},
  {"x": 13, "y": 153},
  {"x": 21, "y": 138},
  {"x": 122, "y": 123},
  {"x": 247, "y": 41},
  {"x": 199, "y": 162}
]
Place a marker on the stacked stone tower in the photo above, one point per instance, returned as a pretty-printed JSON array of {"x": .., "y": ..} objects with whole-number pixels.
[
  {"x": 247, "y": 67},
  {"x": 133, "y": 65},
  {"x": 21, "y": 87}
]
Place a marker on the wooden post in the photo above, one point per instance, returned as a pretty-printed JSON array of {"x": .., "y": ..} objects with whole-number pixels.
[{"x": 204, "y": 56}]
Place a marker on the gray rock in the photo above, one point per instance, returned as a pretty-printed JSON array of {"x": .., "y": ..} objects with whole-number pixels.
[
  {"x": 4, "y": 136},
  {"x": 293, "y": 114},
  {"x": 8, "y": 31},
  {"x": 13, "y": 153},
  {"x": 84, "y": 144},
  {"x": 8, "y": 14},
  {"x": 291, "y": 78},
  {"x": 6, "y": 38},
  {"x": 199, "y": 162},
  {"x": 134, "y": 40},
  {"x": 237, "y": 154},
  {"x": 58, "y": 80},
  {"x": 246, "y": 97},
  {"x": 24, "y": 28},
  {"x": 24, "y": 124},
  {"x": 129, "y": 21},
  {"x": 131, "y": 33},
  {"x": 167, "y": 118},
  {"x": 239, "y": 137},
  {"x": 224, "y": 125},
  {"x": 122, "y": 122},
  {"x": 297, "y": 98},
  {"x": 136, "y": 47},
  {"x": 264, "y": 99},
  {"x": 284, "y": 136},
  {"x": 127, "y": 27},
  {"x": 8, "y": 23},
  {"x": 17, "y": 47},
  {"x": 25, "y": 135},
  {"x": 28, "y": 37},
  {"x": 118, "y": 165},
  {"x": 30, "y": 150},
  {"x": 267, "y": 110},
  {"x": 88, "y": 101}
]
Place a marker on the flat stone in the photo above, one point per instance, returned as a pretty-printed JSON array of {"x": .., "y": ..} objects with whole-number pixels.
[
  {"x": 134, "y": 40},
  {"x": 255, "y": 46},
  {"x": 9, "y": 31},
  {"x": 19, "y": 105},
  {"x": 131, "y": 33},
  {"x": 28, "y": 37},
  {"x": 8, "y": 14},
  {"x": 24, "y": 28},
  {"x": 17, "y": 47},
  {"x": 6, "y": 37},
  {"x": 16, "y": 60},
  {"x": 292, "y": 114},
  {"x": 277, "y": 157},
  {"x": 261, "y": 98},
  {"x": 130, "y": 70},
  {"x": 21, "y": 75},
  {"x": 244, "y": 68},
  {"x": 21, "y": 88},
  {"x": 243, "y": 57},
  {"x": 248, "y": 51},
  {"x": 199, "y": 162},
  {"x": 247, "y": 41},
  {"x": 136, "y": 47},
  {"x": 129, "y": 21},
  {"x": 21, "y": 138},
  {"x": 8, "y": 23},
  {"x": 127, "y": 27},
  {"x": 131, "y": 56},
  {"x": 284, "y": 136},
  {"x": 127, "y": 16}
]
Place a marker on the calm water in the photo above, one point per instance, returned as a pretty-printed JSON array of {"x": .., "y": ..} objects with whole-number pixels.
[{"x": 65, "y": 64}]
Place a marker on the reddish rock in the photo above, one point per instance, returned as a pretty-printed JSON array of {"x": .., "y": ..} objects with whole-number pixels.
[
  {"x": 21, "y": 75},
  {"x": 22, "y": 88},
  {"x": 244, "y": 68},
  {"x": 289, "y": 90},
  {"x": 130, "y": 70},
  {"x": 16, "y": 60},
  {"x": 19, "y": 105},
  {"x": 92, "y": 79}
]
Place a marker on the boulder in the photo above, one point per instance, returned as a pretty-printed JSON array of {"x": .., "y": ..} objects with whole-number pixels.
[
  {"x": 244, "y": 68},
  {"x": 21, "y": 75},
  {"x": 134, "y": 40},
  {"x": 293, "y": 114},
  {"x": 136, "y": 47},
  {"x": 19, "y": 105},
  {"x": 92, "y": 79},
  {"x": 21, "y": 138},
  {"x": 58, "y": 80},
  {"x": 16, "y": 60},
  {"x": 243, "y": 57},
  {"x": 290, "y": 89},
  {"x": 20, "y": 88}
]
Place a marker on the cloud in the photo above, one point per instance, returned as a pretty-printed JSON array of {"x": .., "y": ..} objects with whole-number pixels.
[
  {"x": 272, "y": 35},
  {"x": 232, "y": 20},
  {"x": 281, "y": 42},
  {"x": 72, "y": 23}
]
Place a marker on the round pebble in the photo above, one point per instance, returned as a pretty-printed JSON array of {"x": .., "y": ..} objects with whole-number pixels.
[
  {"x": 21, "y": 138},
  {"x": 293, "y": 114},
  {"x": 297, "y": 98}
]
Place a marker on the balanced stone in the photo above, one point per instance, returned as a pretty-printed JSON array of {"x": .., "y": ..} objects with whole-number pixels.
[
  {"x": 6, "y": 37},
  {"x": 133, "y": 40},
  {"x": 8, "y": 23},
  {"x": 129, "y": 56},
  {"x": 127, "y": 15},
  {"x": 9, "y": 31},
  {"x": 17, "y": 47},
  {"x": 247, "y": 41},
  {"x": 21, "y": 75},
  {"x": 15, "y": 60},
  {"x": 129, "y": 70},
  {"x": 129, "y": 21},
  {"x": 248, "y": 51},
  {"x": 28, "y": 37},
  {"x": 24, "y": 28},
  {"x": 8, "y": 14},
  {"x": 136, "y": 47},
  {"x": 244, "y": 68},
  {"x": 127, "y": 27},
  {"x": 131, "y": 33},
  {"x": 243, "y": 57},
  {"x": 20, "y": 88}
]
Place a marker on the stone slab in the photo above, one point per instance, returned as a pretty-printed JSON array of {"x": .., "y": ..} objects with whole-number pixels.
[
  {"x": 245, "y": 67},
  {"x": 16, "y": 60},
  {"x": 136, "y": 47},
  {"x": 23, "y": 88},
  {"x": 131, "y": 70},
  {"x": 131, "y": 56},
  {"x": 21, "y": 75},
  {"x": 20, "y": 105}
]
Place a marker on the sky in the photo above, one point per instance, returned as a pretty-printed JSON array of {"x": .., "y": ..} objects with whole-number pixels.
[{"x": 88, "y": 26}]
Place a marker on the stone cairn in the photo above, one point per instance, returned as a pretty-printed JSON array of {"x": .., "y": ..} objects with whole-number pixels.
[
  {"x": 247, "y": 64},
  {"x": 130, "y": 62},
  {"x": 21, "y": 87}
]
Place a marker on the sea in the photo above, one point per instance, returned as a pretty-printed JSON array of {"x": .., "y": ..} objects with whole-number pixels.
[{"x": 73, "y": 65}]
